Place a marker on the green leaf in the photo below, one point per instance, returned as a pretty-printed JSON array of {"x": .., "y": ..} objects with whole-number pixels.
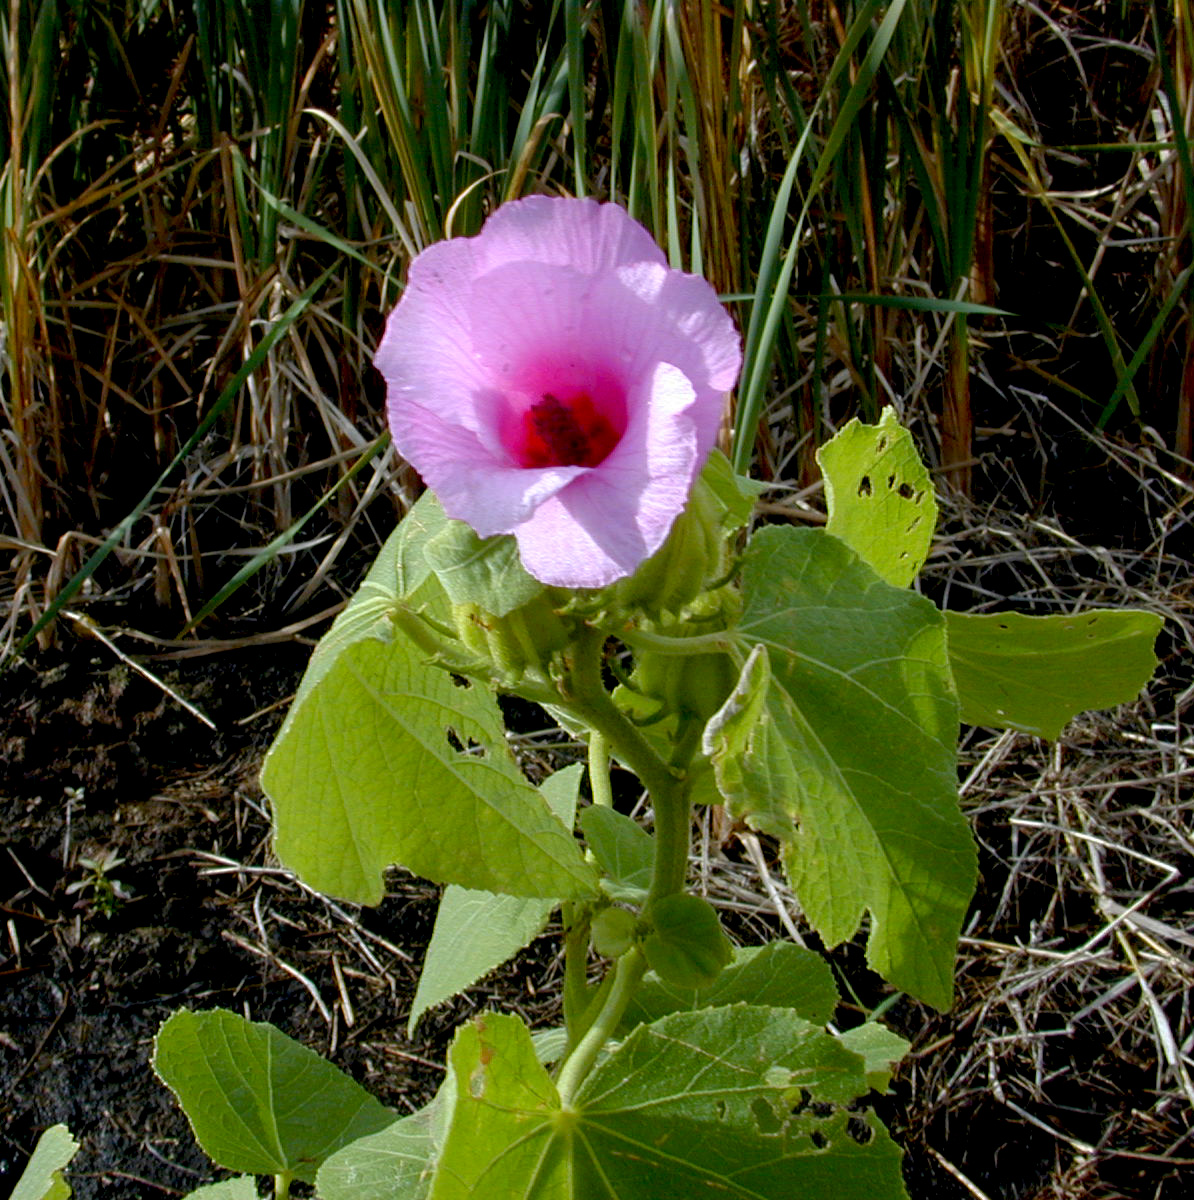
[
  {"x": 42, "y": 1177},
  {"x": 399, "y": 572},
  {"x": 240, "y": 1187},
  {"x": 623, "y": 850},
  {"x": 735, "y": 494},
  {"x": 880, "y": 496},
  {"x": 880, "y": 1050},
  {"x": 385, "y": 756},
  {"x": 687, "y": 946},
  {"x": 482, "y": 571},
  {"x": 258, "y": 1101},
  {"x": 740, "y": 1101},
  {"x": 505, "y": 1121},
  {"x": 395, "y": 1164},
  {"x": 477, "y": 931},
  {"x": 840, "y": 740},
  {"x": 730, "y": 1102},
  {"x": 1036, "y": 673},
  {"x": 777, "y": 975},
  {"x": 614, "y": 931}
]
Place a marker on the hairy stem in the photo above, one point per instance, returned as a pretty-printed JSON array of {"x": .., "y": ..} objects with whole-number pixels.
[
  {"x": 669, "y": 788},
  {"x": 576, "y": 986},
  {"x": 599, "y": 770},
  {"x": 576, "y": 1067}
]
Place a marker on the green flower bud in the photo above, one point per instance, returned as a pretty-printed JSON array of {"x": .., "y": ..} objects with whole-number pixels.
[
  {"x": 692, "y": 555},
  {"x": 521, "y": 642},
  {"x": 613, "y": 931},
  {"x": 695, "y": 685},
  {"x": 687, "y": 947}
]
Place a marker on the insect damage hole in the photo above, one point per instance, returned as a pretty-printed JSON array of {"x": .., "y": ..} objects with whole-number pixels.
[
  {"x": 464, "y": 745},
  {"x": 859, "y": 1131},
  {"x": 864, "y": 486}
]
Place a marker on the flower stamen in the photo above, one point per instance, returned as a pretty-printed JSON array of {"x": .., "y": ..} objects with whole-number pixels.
[{"x": 566, "y": 433}]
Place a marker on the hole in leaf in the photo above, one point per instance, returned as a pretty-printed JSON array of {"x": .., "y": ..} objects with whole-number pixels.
[
  {"x": 463, "y": 745},
  {"x": 890, "y": 482},
  {"x": 765, "y": 1119},
  {"x": 818, "y": 1139},
  {"x": 864, "y": 486},
  {"x": 859, "y": 1130},
  {"x": 806, "y": 1098},
  {"x": 460, "y": 681},
  {"x": 905, "y": 490},
  {"x": 823, "y": 1111},
  {"x": 881, "y": 444}
]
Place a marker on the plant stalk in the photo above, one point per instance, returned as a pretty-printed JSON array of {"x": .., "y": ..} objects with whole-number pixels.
[{"x": 576, "y": 1067}]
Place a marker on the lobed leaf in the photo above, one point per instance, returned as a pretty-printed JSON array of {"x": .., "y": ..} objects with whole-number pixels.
[
  {"x": 744, "y": 1101},
  {"x": 1036, "y": 673},
  {"x": 375, "y": 764},
  {"x": 840, "y": 740},
  {"x": 258, "y": 1101},
  {"x": 880, "y": 497}
]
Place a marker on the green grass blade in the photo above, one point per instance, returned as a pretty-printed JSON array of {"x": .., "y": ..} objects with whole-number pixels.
[
  {"x": 269, "y": 552},
  {"x": 260, "y": 353},
  {"x": 775, "y": 276}
]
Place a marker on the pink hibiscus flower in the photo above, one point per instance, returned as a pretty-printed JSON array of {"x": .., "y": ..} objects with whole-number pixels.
[{"x": 554, "y": 379}]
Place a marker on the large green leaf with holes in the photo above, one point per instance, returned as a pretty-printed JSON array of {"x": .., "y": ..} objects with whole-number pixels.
[
  {"x": 258, "y": 1101},
  {"x": 880, "y": 496},
  {"x": 390, "y": 760},
  {"x": 1036, "y": 673},
  {"x": 840, "y": 740},
  {"x": 745, "y": 1102}
]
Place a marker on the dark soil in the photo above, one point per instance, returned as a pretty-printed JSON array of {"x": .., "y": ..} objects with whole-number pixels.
[{"x": 102, "y": 762}]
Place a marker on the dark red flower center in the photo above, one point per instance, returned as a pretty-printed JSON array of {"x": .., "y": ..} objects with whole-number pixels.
[{"x": 566, "y": 433}]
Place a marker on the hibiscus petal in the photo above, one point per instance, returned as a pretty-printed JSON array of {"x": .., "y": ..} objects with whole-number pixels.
[
  {"x": 581, "y": 234},
  {"x": 614, "y": 516},
  {"x": 559, "y": 335},
  {"x": 471, "y": 484}
]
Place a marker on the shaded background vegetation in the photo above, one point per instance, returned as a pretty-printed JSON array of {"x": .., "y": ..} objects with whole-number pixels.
[{"x": 208, "y": 208}]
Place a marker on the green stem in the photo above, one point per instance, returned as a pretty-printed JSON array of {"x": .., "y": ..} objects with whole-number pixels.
[
  {"x": 599, "y": 770},
  {"x": 576, "y": 985},
  {"x": 282, "y": 1186},
  {"x": 596, "y": 1003},
  {"x": 668, "y": 785},
  {"x": 669, "y": 788},
  {"x": 720, "y": 642},
  {"x": 583, "y": 691},
  {"x": 576, "y": 1067}
]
